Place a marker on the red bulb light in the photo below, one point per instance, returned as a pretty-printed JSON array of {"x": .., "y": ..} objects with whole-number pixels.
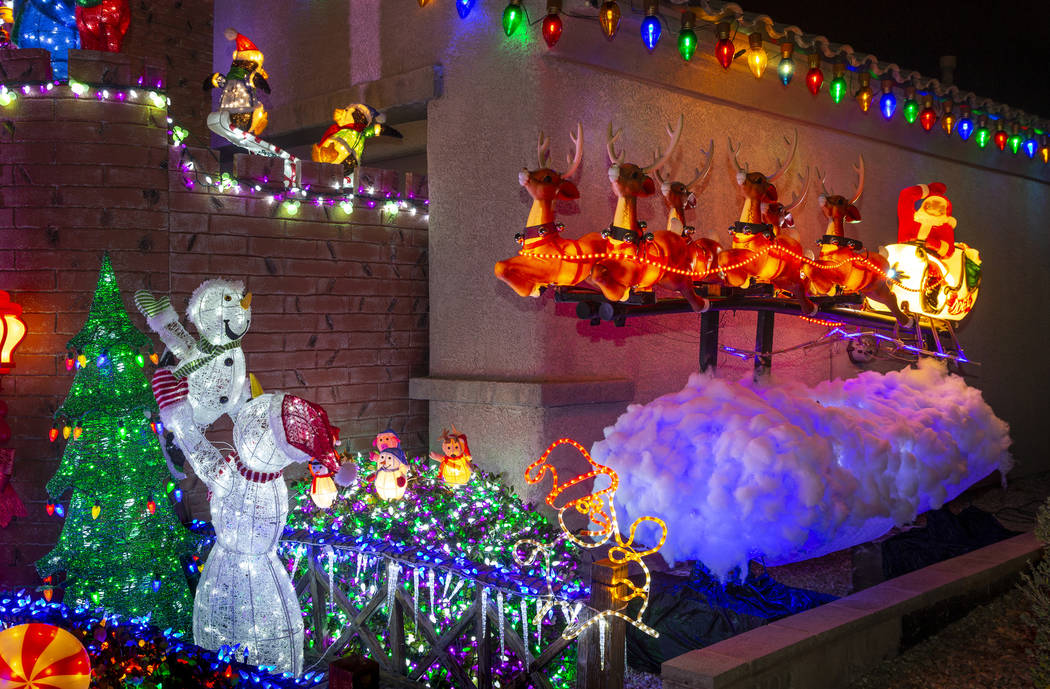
[
  {"x": 52, "y": 435},
  {"x": 551, "y": 29},
  {"x": 724, "y": 50},
  {"x": 928, "y": 118},
  {"x": 151, "y": 506},
  {"x": 1000, "y": 139},
  {"x": 814, "y": 77}
]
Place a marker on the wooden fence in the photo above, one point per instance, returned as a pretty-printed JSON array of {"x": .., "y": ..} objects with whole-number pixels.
[{"x": 394, "y": 620}]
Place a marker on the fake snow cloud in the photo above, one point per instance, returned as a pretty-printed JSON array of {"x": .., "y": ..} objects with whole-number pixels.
[{"x": 785, "y": 472}]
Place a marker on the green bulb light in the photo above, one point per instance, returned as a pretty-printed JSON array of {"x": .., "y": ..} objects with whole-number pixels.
[
  {"x": 1014, "y": 142},
  {"x": 982, "y": 136},
  {"x": 512, "y": 17},
  {"x": 911, "y": 111},
  {"x": 837, "y": 89},
  {"x": 687, "y": 44}
]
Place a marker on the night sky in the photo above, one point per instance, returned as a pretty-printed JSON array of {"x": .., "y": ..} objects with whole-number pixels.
[{"x": 1002, "y": 48}]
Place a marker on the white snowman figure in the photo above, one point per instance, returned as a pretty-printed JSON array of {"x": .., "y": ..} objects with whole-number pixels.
[
  {"x": 245, "y": 595},
  {"x": 212, "y": 367}
]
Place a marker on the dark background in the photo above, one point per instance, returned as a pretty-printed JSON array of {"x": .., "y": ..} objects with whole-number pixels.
[{"x": 1002, "y": 48}]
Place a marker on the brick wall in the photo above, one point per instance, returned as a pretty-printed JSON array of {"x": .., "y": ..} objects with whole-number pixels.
[
  {"x": 339, "y": 312},
  {"x": 179, "y": 33}
]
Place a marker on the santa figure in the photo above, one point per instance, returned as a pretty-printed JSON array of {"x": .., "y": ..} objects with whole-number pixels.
[{"x": 932, "y": 224}]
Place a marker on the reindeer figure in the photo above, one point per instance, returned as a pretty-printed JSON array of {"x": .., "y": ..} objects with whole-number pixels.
[
  {"x": 642, "y": 260},
  {"x": 540, "y": 261},
  {"x": 780, "y": 216},
  {"x": 843, "y": 263},
  {"x": 758, "y": 253}
]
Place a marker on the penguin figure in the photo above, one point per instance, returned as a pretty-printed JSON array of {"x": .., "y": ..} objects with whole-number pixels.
[
  {"x": 344, "y": 141},
  {"x": 239, "y": 86}
]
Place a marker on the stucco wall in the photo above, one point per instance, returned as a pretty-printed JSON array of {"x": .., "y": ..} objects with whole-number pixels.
[{"x": 497, "y": 92}]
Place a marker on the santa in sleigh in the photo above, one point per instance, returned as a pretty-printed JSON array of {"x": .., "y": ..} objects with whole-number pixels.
[{"x": 931, "y": 274}]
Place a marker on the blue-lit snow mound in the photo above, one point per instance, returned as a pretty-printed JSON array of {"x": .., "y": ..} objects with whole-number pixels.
[{"x": 786, "y": 472}]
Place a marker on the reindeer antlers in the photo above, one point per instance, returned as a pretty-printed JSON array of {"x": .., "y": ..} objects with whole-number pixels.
[
  {"x": 797, "y": 200},
  {"x": 860, "y": 183},
  {"x": 782, "y": 168},
  {"x": 735, "y": 152},
  {"x": 675, "y": 135},
  {"x": 543, "y": 147},
  {"x": 709, "y": 157},
  {"x": 610, "y": 141},
  {"x": 859, "y": 169},
  {"x": 574, "y": 161}
]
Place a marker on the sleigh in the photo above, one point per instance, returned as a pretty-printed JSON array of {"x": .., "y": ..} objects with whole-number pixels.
[{"x": 924, "y": 284}]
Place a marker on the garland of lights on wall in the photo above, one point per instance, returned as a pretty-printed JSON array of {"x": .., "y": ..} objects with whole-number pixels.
[
  {"x": 925, "y": 100},
  {"x": 390, "y": 203}
]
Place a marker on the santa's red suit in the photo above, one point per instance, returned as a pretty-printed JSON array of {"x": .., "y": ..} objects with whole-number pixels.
[{"x": 937, "y": 231}]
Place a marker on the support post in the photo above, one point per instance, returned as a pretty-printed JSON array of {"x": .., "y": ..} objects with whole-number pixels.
[
  {"x": 484, "y": 648},
  {"x": 320, "y": 602},
  {"x": 708, "y": 341},
  {"x": 606, "y": 593},
  {"x": 763, "y": 345}
]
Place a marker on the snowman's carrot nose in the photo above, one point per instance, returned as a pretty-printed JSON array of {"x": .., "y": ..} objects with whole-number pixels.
[{"x": 247, "y": 301}]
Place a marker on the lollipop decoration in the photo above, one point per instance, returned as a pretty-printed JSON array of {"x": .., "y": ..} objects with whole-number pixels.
[
  {"x": 598, "y": 507},
  {"x": 42, "y": 656}
]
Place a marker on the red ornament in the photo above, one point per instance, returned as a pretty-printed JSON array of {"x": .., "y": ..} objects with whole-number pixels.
[
  {"x": 724, "y": 49},
  {"x": 1000, "y": 139},
  {"x": 103, "y": 26},
  {"x": 551, "y": 29}
]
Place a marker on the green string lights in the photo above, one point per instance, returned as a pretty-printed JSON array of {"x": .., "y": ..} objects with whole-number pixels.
[{"x": 119, "y": 546}]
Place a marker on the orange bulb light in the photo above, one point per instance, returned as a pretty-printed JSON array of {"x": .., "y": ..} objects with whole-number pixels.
[{"x": 609, "y": 18}]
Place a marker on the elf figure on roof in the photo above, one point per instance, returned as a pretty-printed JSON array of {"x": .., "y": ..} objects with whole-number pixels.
[{"x": 239, "y": 86}]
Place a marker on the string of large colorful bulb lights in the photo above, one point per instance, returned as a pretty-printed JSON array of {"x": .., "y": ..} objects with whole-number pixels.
[{"x": 1014, "y": 131}]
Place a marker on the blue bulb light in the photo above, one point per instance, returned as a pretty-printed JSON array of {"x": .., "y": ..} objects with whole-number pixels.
[
  {"x": 178, "y": 494},
  {"x": 1030, "y": 147},
  {"x": 650, "y": 31},
  {"x": 59, "y": 510},
  {"x": 888, "y": 104},
  {"x": 786, "y": 70},
  {"x": 156, "y": 585},
  {"x": 464, "y": 7},
  {"x": 965, "y": 128}
]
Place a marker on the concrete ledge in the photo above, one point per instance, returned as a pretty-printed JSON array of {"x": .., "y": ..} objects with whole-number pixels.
[
  {"x": 522, "y": 393},
  {"x": 830, "y": 646},
  {"x": 418, "y": 86}
]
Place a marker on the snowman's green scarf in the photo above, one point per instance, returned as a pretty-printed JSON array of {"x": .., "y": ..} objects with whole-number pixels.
[{"x": 210, "y": 351}]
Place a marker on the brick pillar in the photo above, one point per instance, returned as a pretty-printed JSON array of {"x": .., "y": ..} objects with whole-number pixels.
[{"x": 77, "y": 177}]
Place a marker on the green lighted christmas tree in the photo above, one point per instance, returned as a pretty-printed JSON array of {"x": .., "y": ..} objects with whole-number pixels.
[{"x": 121, "y": 542}]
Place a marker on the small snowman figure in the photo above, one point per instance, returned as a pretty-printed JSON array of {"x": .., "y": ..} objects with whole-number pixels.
[
  {"x": 210, "y": 371},
  {"x": 239, "y": 86},
  {"x": 391, "y": 475}
]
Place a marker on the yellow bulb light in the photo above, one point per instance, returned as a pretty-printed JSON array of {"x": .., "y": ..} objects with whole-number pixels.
[{"x": 757, "y": 60}]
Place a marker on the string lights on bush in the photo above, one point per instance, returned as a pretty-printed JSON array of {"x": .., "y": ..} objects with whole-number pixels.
[{"x": 924, "y": 100}]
